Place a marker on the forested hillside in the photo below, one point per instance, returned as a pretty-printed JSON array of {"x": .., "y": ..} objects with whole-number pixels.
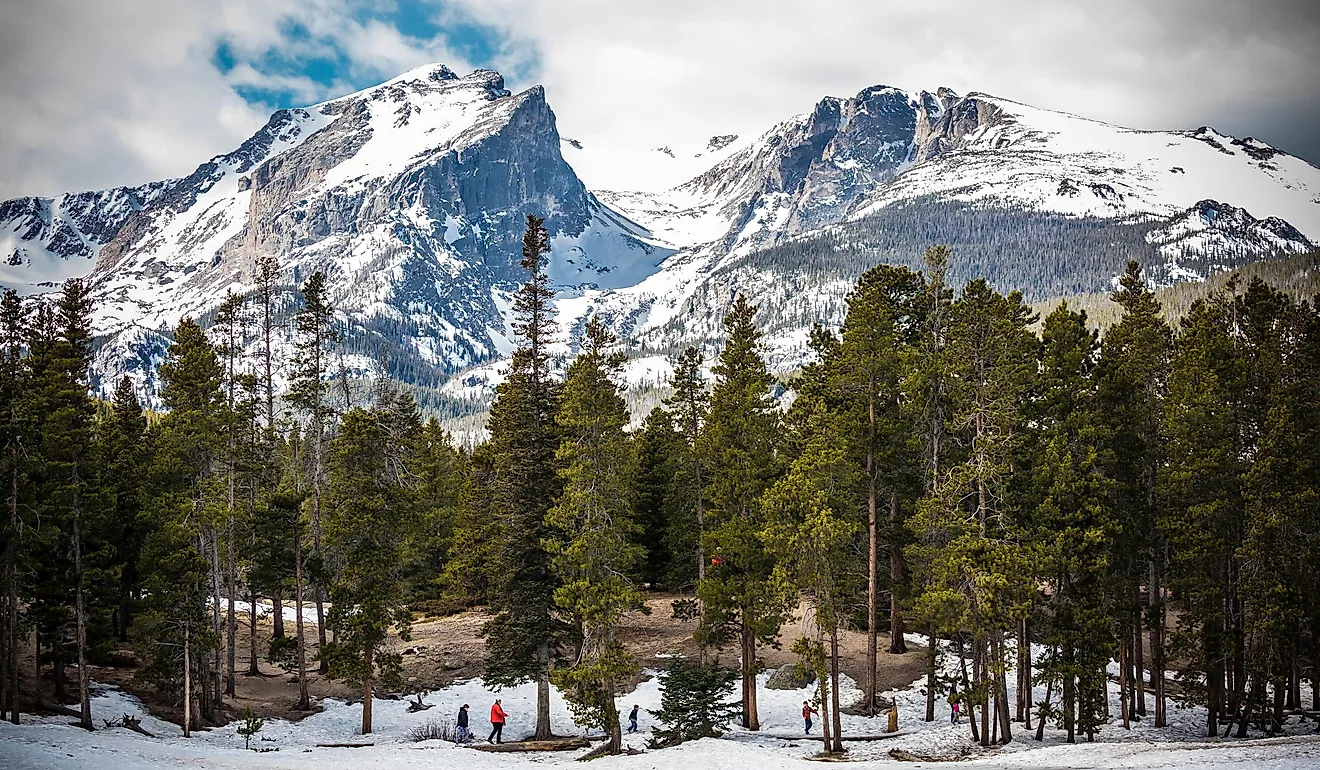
[{"x": 1147, "y": 502}]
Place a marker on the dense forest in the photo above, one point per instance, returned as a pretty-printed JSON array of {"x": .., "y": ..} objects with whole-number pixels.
[{"x": 948, "y": 464}]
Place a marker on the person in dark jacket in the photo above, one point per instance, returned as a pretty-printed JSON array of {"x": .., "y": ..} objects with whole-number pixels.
[
  {"x": 632, "y": 719},
  {"x": 497, "y": 717},
  {"x": 462, "y": 734}
]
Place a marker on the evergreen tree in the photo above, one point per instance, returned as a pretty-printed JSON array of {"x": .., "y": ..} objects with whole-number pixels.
[
  {"x": 71, "y": 503},
  {"x": 812, "y": 534},
  {"x": 692, "y": 703},
  {"x": 688, "y": 404},
  {"x": 1074, "y": 526},
  {"x": 1202, "y": 519},
  {"x": 523, "y": 637},
  {"x": 315, "y": 329},
  {"x": 659, "y": 451},
  {"x": 1131, "y": 377},
  {"x": 739, "y": 598},
  {"x": 174, "y": 633},
  {"x": 124, "y": 456},
  {"x": 15, "y": 436},
  {"x": 440, "y": 470},
  {"x": 374, "y": 492},
  {"x": 592, "y": 540},
  {"x": 884, "y": 319},
  {"x": 979, "y": 575}
]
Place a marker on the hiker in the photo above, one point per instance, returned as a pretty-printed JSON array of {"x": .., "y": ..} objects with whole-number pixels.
[
  {"x": 632, "y": 720},
  {"x": 955, "y": 706},
  {"x": 497, "y": 716},
  {"x": 807, "y": 711},
  {"x": 462, "y": 735}
]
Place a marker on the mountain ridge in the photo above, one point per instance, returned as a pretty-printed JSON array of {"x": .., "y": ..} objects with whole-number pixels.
[{"x": 411, "y": 196}]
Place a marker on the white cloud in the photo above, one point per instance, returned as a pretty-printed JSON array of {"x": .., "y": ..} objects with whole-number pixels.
[
  {"x": 100, "y": 93},
  {"x": 655, "y": 73}
]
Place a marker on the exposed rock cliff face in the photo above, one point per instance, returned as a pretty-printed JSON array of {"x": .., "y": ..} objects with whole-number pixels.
[{"x": 411, "y": 196}]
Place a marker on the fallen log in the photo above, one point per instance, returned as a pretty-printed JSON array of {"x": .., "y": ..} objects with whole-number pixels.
[
  {"x": 558, "y": 744},
  {"x": 343, "y": 745},
  {"x": 846, "y": 738},
  {"x": 56, "y": 708}
]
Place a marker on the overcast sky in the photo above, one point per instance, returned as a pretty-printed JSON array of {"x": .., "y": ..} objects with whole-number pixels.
[{"x": 99, "y": 93}]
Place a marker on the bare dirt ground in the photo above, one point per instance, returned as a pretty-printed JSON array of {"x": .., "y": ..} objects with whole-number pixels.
[{"x": 444, "y": 650}]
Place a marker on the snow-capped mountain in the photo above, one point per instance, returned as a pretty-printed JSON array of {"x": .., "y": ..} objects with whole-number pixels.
[{"x": 412, "y": 196}]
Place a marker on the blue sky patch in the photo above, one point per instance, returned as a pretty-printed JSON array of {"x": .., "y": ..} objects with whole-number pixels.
[{"x": 304, "y": 67}]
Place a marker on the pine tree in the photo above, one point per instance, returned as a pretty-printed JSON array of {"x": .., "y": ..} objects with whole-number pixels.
[
  {"x": 688, "y": 403},
  {"x": 884, "y": 318},
  {"x": 1199, "y": 488},
  {"x": 692, "y": 703},
  {"x": 978, "y": 570},
  {"x": 374, "y": 492},
  {"x": 124, "y": 457},
  {"x": 926, "y": 391},
  {"x": 231, "y": 329},
  {"x": 175, "y": 633},
  {"x": 523, "y": 637},
  {"x": 592, "y": 541},
  {"x": 72, "y": 504},
  {"x": 1131, "y": 377},
  {"x": 811, "y": 534},
  {"x": 659, "y": 452},
  {"x": 1073, "y": 524},
  {"x": 315, "y": 329},
  {"x": 440, "y": 470},
  {"x": 15, "y": 436},
  {"x": 739, "y": 598}
]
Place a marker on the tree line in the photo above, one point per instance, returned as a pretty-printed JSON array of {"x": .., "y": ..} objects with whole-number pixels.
[{"x": 1145, "y": 503}]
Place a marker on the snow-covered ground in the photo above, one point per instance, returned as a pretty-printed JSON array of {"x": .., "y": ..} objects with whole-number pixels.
[{"x": 51, "y": 743}]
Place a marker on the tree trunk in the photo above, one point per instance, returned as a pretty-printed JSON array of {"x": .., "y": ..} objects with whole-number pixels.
[
  {"x": 80, "y": 613},
  {"x": 751, "y": 720},
  {"x": 187, "y": 687},
  {"x": 304, "y": 701},
  {"x": 872, "y": 587},
  {"x": 1044, "y": 709},
  {"x": 1139, "y": 661},
  {"x": 253, "y": 668},
  {"x": 613, "y": 730},
  {"x": 543, "y": 694},
  {"x": 983, "y": 683},
  {"x": 966, "y": 688},
  {"x": 1123, "y": 681},
  {"x": 1156, "y": 599},
  {"x": 897, "y": 644},
  {"x": 10, "y": 707},
  {"x": 215, "y": 664},
  {"x": 931, "y": 652},
  {"x": 834, "y": 690},
  {"x": 366, "y": 693},
  {"x": 1024, "y": 673},
  {"x": 277, "y": 614},
  {"x": 1001, "y": 693}
]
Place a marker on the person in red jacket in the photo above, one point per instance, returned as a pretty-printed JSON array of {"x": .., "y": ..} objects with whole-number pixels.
[
  {"x": 807, "y": 711},
  {"x": 497, "y": 717}
]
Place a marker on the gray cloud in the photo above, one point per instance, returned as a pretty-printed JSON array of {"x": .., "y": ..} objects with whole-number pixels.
[{"x": 102, "y": 93}]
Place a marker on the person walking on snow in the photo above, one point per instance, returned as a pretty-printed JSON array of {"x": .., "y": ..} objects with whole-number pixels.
[
  {"x": 497, "y": 717},
  {"x": 462, "y": 735},
  {"x": 632, "y": 720},
  {"x": 955, "y": 706},
  {"x": 807, "y": 711}
]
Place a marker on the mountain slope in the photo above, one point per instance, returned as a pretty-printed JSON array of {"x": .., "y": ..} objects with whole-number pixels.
[{"x": 412, "y": 196}]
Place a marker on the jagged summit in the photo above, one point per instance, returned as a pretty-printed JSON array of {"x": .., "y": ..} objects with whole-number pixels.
[{"x": 411, "y": 196}]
